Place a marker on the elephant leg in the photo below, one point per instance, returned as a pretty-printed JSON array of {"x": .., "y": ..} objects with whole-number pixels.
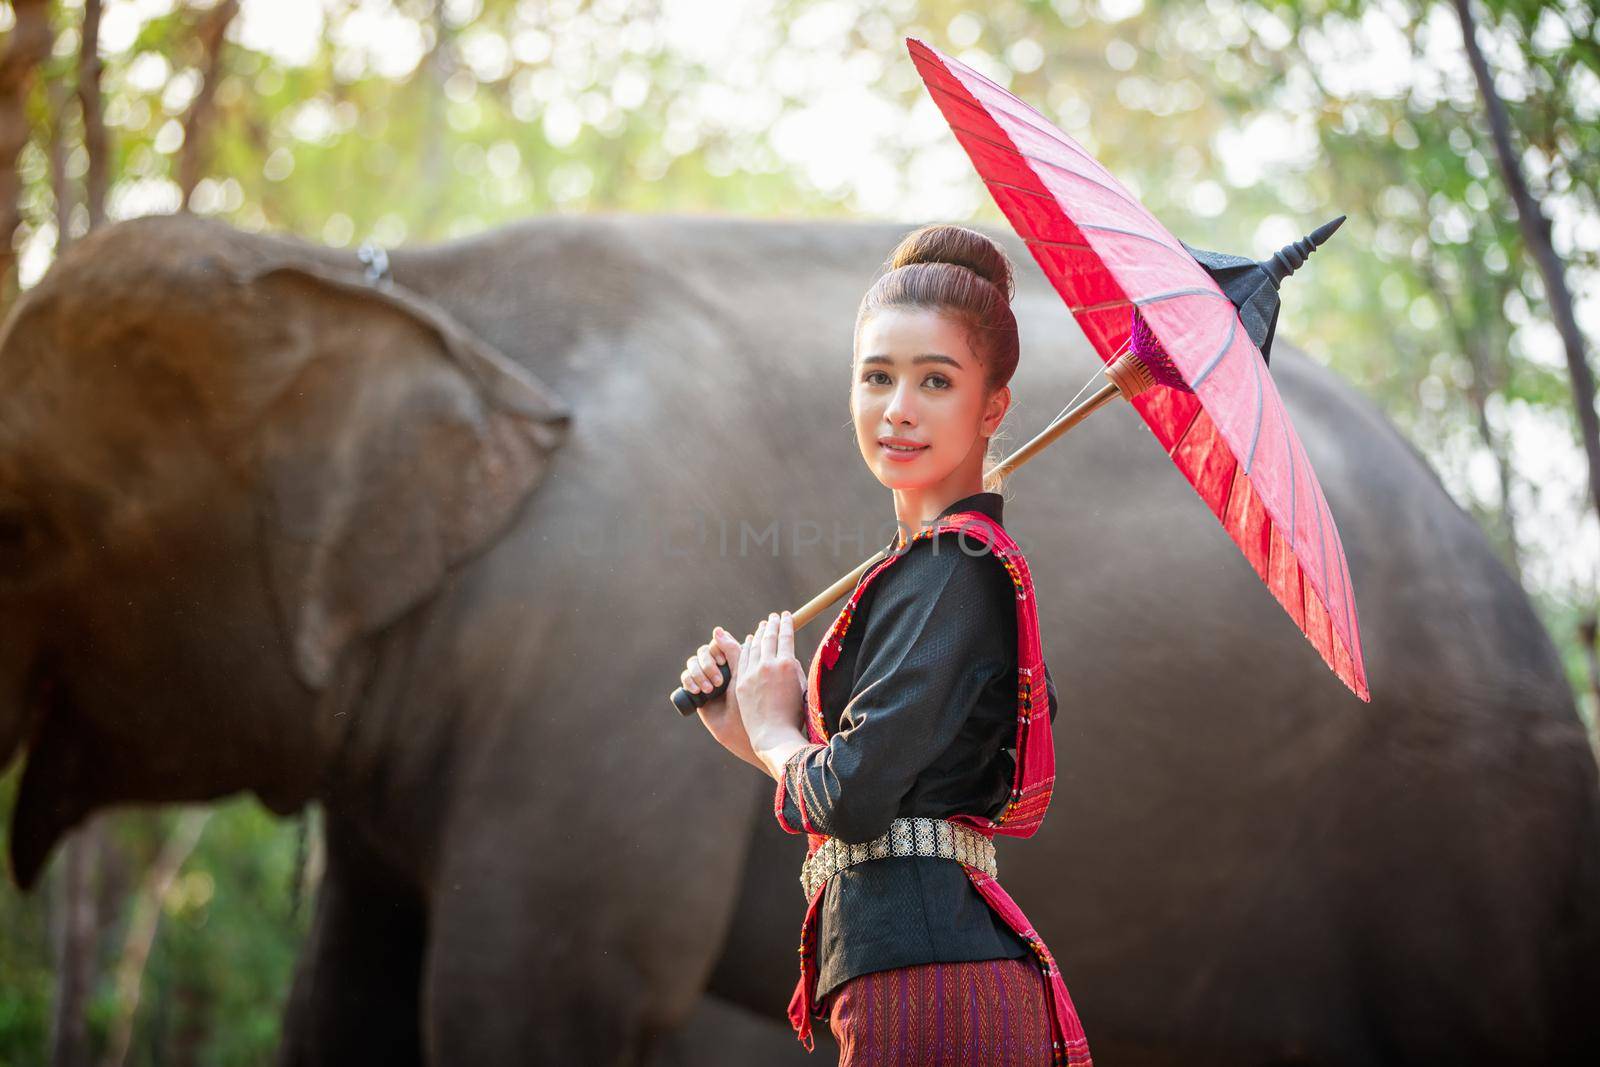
[
  {"x": 355, "y": 994},
  {"x": 720, "y": 1034},
  {"x": 514, "y": 981},
  {"x": 500, "y": 991},
  {"x": 757, "y": 970}
]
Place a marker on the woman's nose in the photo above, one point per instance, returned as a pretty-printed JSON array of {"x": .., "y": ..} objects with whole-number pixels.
[{"x": 902, "y": 407}]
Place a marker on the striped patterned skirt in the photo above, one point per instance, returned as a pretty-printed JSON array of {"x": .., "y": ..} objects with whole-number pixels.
[{"x": 983, "y": 1013}]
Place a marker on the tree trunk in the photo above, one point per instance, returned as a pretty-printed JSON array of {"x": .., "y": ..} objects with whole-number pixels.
[
  {"x": 193, "y": 158},
  {"x": 75, "y": 935},
  {"x": 1588, "y": 630},
  {"x": 28, "y": 45},
  {"x": 1473, "y": 338},
  {"x": 98, "y": 181},
  {"x": 435, "y": 185},
  {"x": 1487, "y": 344},
  {"x": 1478, "y": 396},
  {"x": 1536, "y": 234},
  {"x": 61, "y": 191},
  {"x": 141, "y": 937}
]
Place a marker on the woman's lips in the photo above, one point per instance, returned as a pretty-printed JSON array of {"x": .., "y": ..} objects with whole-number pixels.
[{"x": 901, "y": 455}]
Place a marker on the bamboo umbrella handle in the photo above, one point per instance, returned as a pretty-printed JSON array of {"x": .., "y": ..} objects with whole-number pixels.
[
  {"x": 688, "y": 703},
  {"x": 1128, "y": 378}
]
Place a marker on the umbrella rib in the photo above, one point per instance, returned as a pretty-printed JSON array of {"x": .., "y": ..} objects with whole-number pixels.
[
  {"x": 1106, "y": 306},
  {"x": 1131, "y": 233},
  {"x": 1143, "y": 299},
  {"x": 1020, "y": 189},
  {"x": 1288, "y": 450},
  {"x": 1322, "y": 549},
  {"x": 965, "y": 97},
  {"x": 1048, "y": 131},
  {"x": 991, "y": 83},
  {"x": 1337, "y": 573},
  {"x": 1255, "y": 434},
  {"x": 1227, "y": 346},
  {"x": 1177, "y": 442},
  {"x": 1047, "y": 197},
  {"x": 1080, "y": 225},
  {"x": 1057, "y": 244},
  {"x": 1227, "y": 500},
  {"x": 1347, "y": 586},
  {"x": 1014, "y": 150},
  {"x": 1082, "y": 389},
  {"x": 1170, "y": 293},
  {"x": 1299, "y": 587}
]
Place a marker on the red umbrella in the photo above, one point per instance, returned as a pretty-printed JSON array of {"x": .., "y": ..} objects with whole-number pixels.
[{"x": 1132, "y": 285}]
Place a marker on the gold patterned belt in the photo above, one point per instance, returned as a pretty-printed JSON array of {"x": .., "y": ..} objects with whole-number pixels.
[{"x": 915, "y": 836}]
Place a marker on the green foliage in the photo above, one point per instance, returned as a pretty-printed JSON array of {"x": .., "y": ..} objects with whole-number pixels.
[
  {"x": 219, "y": 971},
  {"x": 28, "y": 982},
  {"x": 222, "y": 964}
]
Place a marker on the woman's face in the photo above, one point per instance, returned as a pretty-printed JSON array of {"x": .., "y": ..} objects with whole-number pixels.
[{"x": 917, "y": 381}]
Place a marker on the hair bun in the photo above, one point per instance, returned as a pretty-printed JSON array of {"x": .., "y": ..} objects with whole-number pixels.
[{"x": 944, "y": 243}]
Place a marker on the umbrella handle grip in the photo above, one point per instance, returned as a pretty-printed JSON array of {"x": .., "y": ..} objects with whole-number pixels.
[{"x": 688, "y": 703}]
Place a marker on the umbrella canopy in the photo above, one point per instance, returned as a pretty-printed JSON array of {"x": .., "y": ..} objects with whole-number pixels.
[{"x": 1131, "y": 283}]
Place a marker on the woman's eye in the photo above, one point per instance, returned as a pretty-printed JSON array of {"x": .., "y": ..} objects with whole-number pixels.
[{"x": 938, "y": 381}]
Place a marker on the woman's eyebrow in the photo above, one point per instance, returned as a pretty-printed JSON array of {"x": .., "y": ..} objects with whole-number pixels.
[{"x": 926, "y": 357}]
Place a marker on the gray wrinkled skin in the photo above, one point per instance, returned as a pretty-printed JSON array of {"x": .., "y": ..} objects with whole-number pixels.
[{"x": 265, "y": 526}]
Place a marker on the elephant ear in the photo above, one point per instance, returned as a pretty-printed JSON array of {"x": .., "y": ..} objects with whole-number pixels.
[{"x": 399, "y": 445}]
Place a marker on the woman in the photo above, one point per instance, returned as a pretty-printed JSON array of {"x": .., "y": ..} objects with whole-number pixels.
[{"x": 910, "y": 947}]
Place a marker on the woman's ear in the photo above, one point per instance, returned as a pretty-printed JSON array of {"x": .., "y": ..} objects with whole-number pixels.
[{"x": 995, "y": 408}]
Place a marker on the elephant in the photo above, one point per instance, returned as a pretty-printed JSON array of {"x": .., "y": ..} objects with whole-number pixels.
[{"x": 427, "y": 545}]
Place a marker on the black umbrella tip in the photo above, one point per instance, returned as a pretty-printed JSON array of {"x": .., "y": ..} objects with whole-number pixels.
[
  {"x": 1325, "y": 231},
  {"x": 1290, "y": 257}
]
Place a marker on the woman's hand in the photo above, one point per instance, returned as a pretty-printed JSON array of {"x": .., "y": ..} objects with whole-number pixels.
[
  {"x": 770, "y": 683},
  {"x": 713, "y": 661}
]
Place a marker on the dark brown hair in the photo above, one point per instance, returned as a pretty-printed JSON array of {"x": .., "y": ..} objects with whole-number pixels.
[{"x": 963, "y": 274}]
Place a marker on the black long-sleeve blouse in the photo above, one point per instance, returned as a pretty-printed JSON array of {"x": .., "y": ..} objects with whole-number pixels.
[{"x": 920, "y": 707}]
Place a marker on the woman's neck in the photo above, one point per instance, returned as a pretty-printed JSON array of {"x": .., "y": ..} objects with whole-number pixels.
[{"x": 916, "y": 509}]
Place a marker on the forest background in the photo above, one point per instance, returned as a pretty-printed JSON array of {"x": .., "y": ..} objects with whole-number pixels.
[{"x": 1461, "y": 139}]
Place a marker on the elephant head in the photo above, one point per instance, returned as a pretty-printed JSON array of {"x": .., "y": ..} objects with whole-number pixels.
[{"x": 224, "y": 459}]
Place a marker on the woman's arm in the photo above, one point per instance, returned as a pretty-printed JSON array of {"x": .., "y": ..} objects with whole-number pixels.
[
  {"x": 735, "y": 740},
  {"x": 776, "y": 751},
  {"x": 773, "y": 746},
  {"x": 933, "y": 638}
]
